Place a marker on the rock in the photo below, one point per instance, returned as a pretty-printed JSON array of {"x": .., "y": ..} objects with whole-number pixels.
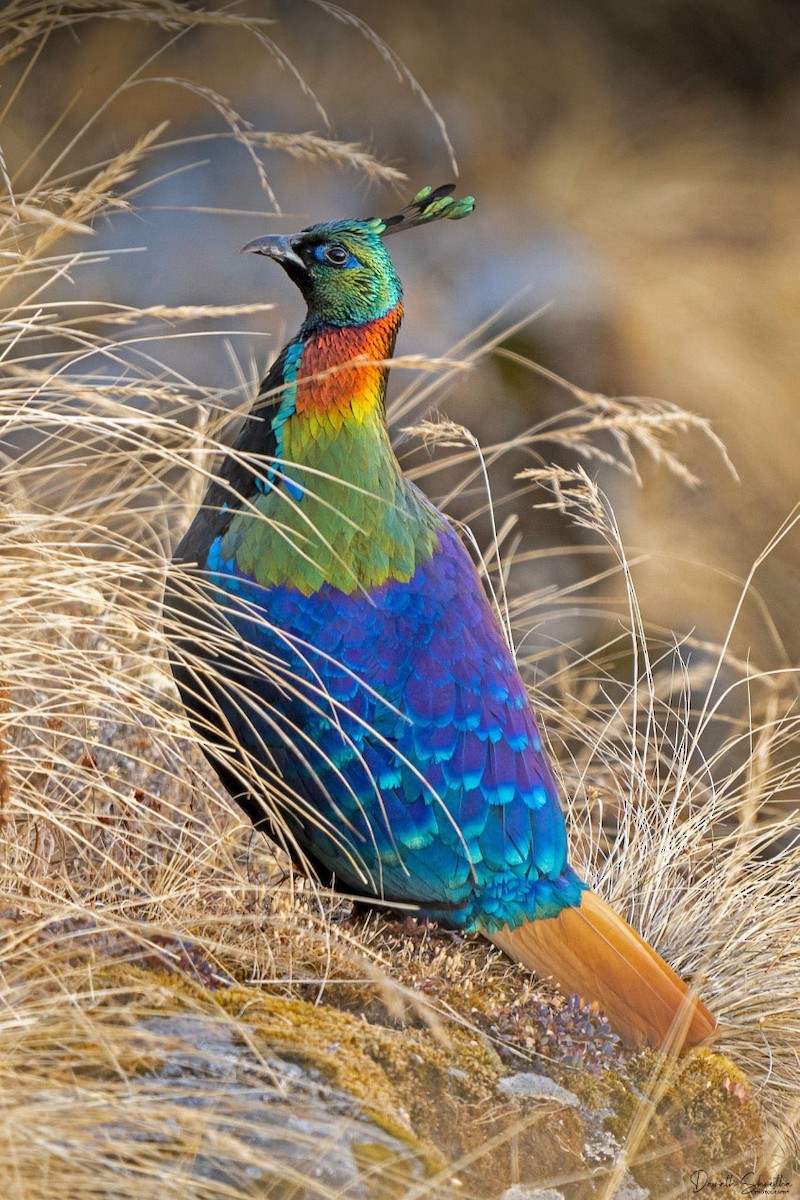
[
  {"x": 269, "y": 1121},
  {"x": 528, "y": 1086},
  {"x": 521, "y": 1191},
  {"x": 629, "y": 1189}
]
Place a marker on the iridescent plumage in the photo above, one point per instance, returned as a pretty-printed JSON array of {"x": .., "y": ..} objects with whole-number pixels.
[{"x": 345, "y": 649}]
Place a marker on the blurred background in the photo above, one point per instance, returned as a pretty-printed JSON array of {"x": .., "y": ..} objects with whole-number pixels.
[{"x": 637, "y": 179}]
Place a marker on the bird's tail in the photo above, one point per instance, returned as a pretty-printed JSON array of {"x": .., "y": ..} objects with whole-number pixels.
[{"x": 591, "y": 950}]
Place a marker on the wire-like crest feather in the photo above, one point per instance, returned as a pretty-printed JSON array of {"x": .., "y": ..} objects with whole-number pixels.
[{"x": 430, "y": 204}]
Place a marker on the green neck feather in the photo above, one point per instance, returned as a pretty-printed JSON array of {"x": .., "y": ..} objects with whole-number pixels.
[{"x": 339, "y": 511}]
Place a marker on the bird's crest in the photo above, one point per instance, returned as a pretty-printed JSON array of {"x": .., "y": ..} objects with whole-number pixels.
[{"x": 430, "y": 204}]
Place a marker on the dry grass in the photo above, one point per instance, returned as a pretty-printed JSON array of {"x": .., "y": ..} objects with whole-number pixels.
[{"x": 670, "y": 761}]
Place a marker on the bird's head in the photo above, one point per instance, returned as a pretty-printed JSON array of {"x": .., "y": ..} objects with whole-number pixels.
[{"x": 343, "y": 268}]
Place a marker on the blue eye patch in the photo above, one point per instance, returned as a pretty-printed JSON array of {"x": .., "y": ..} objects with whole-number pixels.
[{"x": 334, "y": 254}]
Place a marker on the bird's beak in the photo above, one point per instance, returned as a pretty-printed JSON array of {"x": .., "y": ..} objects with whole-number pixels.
[{"x": 277, "y": 246}]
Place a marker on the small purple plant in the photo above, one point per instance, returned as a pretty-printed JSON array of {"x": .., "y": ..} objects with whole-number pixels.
[{"x": 574, "y": 1034}]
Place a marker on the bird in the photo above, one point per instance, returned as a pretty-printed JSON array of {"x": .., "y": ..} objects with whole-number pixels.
[{"x": 335, "y": 648}]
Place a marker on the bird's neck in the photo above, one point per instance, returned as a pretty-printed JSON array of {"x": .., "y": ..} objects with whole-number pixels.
[
  {"x": 330, "y": 424},
  {"x": 340, "y": 509},
  {"x": 340, "y": 371}
]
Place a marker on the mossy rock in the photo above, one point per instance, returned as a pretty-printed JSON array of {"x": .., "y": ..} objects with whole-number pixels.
[
  {"x": 430, "y": 1097},
  {"x": 696, "y": 1113},
  {"x": 442, "y": 1094},
  {"x": 439, "y": 1090}
]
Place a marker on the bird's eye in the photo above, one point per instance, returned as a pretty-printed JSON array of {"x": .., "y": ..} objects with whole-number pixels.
[{"x": 336, "y": 255}]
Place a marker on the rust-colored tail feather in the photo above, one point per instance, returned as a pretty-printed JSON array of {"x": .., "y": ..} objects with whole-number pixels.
[{"x": 591, "y": 950}]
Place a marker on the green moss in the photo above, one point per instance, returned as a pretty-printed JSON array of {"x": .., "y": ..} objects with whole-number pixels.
[
  {"x": 705, "y": 1119},
  {"x": 713, "y": 1097}
]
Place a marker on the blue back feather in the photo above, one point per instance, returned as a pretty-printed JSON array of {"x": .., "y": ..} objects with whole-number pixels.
[{"x": 420, "y": 749}]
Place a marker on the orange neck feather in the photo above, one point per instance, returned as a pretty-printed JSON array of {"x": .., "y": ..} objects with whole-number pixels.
[{"x": 342, "y": 371}]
